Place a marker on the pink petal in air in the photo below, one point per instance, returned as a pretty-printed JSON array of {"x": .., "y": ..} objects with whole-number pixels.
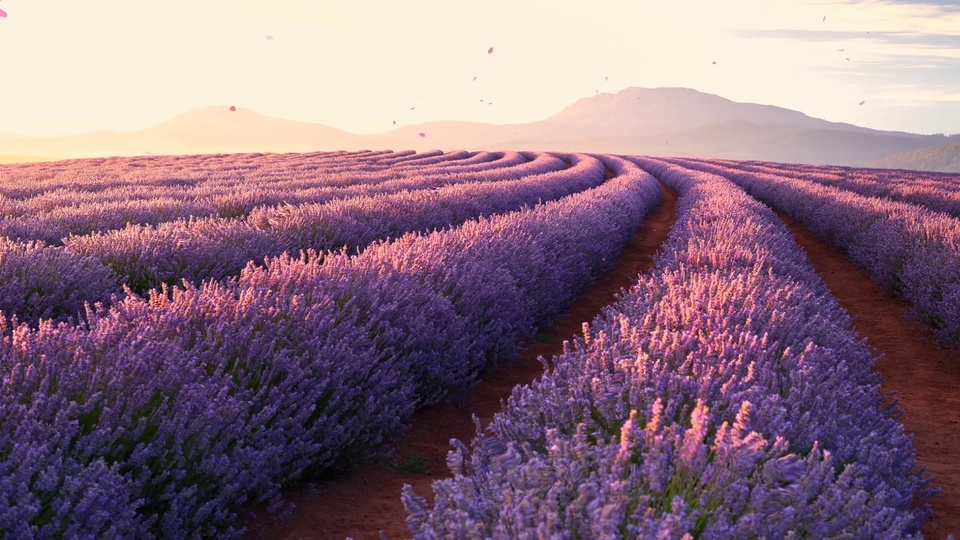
[
  {"x": 490, "y": 50},
  {"x": 269, "y": 38},
  {"x": 474, "y": 77},
  {"x": 394, "y": 122},
  {"x": 423, "y": 134},
  {"x": 714, "y": 63},
  {"x": 233, "y": 109},
  {"x": 605, "y": 78},
  {"x": 862, "y": 102},
  {"x": 824, "y": 19},
  {"x": 3, "y": 14}
]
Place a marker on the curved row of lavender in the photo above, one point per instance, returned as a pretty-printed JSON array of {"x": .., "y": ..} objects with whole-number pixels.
[
  {"x": 91, "y": 268},
  {"x": 83, "y": 181},
  {"x": 55, "y": 214},
  {"x": 724, "y": 396},
  {"x": 912, "y": 251},
  {"x": 937, "y": 192},
  {"x": 213, "y": 248},
  {"x": 96, "y": 174},
  {"x": 163, "y": 417}
]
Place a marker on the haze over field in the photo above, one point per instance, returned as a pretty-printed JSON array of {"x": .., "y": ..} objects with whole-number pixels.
[
  {"x": 112, "y": 65},
  {"x": 664, "y": 121}
]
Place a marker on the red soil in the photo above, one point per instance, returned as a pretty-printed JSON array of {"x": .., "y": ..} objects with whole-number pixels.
[
  {"x": 367, "y": 500},
  {"x": 924, "y": 372}
]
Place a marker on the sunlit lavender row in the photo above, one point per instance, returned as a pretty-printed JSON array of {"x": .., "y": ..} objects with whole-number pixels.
[
  {"x": 162, "y": 194},
  {"x": 143, "y": 257},
  {"x": 163, "y": 417},
  {"x": 724, "y": 396},
  {"x": 939, "y": 192},
  {"x": 912, "y": 251}
]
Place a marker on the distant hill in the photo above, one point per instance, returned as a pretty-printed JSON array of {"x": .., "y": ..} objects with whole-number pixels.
[
  {"x": 944, "y": 158},
  {"x": 202, "y": 131},
  {"x": 656, "y": 111},
  {"x": 652, "y": 121}
]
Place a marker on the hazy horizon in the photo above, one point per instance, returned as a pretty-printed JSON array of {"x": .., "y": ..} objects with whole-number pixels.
[{"x": 71, "y": 68}]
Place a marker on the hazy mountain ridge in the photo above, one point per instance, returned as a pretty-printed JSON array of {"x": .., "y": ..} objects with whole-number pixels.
[
  {"x": 658, "y": 121},
  {"x": 945, "y": 158}
]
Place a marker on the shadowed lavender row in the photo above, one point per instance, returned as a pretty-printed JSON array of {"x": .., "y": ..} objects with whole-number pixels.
[
  {"x": 725, "y": 395},
  {"x": 55, "y": 214},
  {"x": 214, "y": 248},
  {"x": 145, "y": 257},
  {"x": 912, "y": 251},
  {"x": 935, "y": 191},
  {"x": 21, "y": 181},
  {"x": 56, "y": 282},
  {"x": 163, "y": 417}
]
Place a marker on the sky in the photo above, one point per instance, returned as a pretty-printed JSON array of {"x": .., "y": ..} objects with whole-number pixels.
[{"x": 74, "y": 66}]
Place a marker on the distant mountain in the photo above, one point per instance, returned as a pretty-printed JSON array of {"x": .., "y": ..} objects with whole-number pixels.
[
  {"x": 656, "y": 111},
  {"x": 944, "y": 158},
  {"x": 653, "y": 121},
  {"x": 201, "y": 131}
]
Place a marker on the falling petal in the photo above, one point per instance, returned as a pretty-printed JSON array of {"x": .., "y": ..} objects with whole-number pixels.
[
  {"x": 412, "y": 108},
  {"x": 269, "y": 38},
  {"x": 840, "y": 50},
  {"x": 233, "y": 109},
  {"x": 489, "y": 103},
  {"x": 3, "y": 14},
  {"x": 490, "y": 50},
  {"x": 605, "y": 78},
  {"x": 423, "y": 134},
  {"x": 848, "y": 59},
  {"x": 714, "y": 63},
  {"x": 862, "y": 102},
  {"x": 474, "y": 77},
  {"x": 394, "y": 122},
  {"x": 824, "y": 19}
]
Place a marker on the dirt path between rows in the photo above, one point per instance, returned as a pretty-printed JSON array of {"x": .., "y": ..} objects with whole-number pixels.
[
  {"x": 924, "y": 373},
  {"x": 367, "y": 500}
]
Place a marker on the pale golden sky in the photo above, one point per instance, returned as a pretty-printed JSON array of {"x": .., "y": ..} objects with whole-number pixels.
[{"x": 71, "y": 66}]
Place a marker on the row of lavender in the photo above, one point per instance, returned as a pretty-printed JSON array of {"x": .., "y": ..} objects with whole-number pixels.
[
  {"x": 724, "y": 396},
  {"x": 85, "y": 181},
  {"x": 24, "y": 181},
  {"x": 911, "y": 250},
  {"x": 163, "y": 417},
  {"x": 56, "y": 213},
  {"x": 939, "y": 192},
  {"x": 38, "y": 281}
]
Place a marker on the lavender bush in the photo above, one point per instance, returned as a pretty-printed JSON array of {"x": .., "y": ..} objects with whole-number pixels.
[
  {"x": 94, "y": 197},
  {"x": 939, "y": 192},
  {"x": 214, "y": 248},
  {"x": 197, "y": 400},
  {"x": 912, "y": 251},
  {"x": 38, "y": 281},
  {"x": 724, "y": 396}
]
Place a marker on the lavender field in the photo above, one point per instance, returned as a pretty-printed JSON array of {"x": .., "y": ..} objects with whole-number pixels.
[{"x": 183, "y": 338}]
